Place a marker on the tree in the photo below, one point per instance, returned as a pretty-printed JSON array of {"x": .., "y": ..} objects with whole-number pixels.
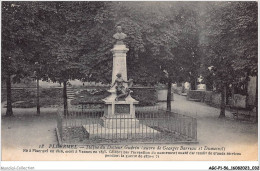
[
  {"x": 186, "y": 64},
  {"x": 165, "y": 37},
  {"x": 72, "y": 40},
  {"x": 62, "y": 47},
  {"x": 51, "y": 37},
  {"x": 23, "y": 29},
  {"x": 15, "y": 41},
  {"x": 67, "y": 40},
  {"x": 231, "y": 43}
]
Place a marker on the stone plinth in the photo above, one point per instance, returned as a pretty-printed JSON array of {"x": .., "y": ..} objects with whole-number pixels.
[
  {"x": 120, "y": 122},
  {"x": 120, "y": 114},
  {"x": 119, "y": 62},
  {"x": 126, "y": 107},
  {"x": 97, "y": 131}
]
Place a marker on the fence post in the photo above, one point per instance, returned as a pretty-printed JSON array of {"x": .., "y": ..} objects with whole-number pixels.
[
  {"x": 194, "y": 129},
  {"x": 59, "y": 124}
]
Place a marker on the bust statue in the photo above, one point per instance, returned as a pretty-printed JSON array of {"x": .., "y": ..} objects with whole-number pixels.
[{"x": 119, "y": 36}]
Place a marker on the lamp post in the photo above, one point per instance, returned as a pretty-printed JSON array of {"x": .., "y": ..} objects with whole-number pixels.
[{"x": 37, "y": 66}]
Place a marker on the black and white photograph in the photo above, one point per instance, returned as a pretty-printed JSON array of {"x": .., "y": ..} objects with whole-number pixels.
[{"x": 129, "y": 81}]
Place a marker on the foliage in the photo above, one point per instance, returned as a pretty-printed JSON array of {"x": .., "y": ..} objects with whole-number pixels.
[
  {"x": 15, "y": 41},
  {"x": 91, "y": 96},
  {"x": 73, "y": 39},
  {"x": 230, "y": 43},
  {"x": 196, "y": 95},
  {"x": 145, "y": 96},
  {"x": 48, "y": 97},
  {"x": 231, "y": 32},
  {"x": 167, "y": 41}
]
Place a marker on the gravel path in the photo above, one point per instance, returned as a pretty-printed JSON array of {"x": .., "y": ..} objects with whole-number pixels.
[
  {"x": 28, "y": 130},
  {"x": 211, "y": 129}
]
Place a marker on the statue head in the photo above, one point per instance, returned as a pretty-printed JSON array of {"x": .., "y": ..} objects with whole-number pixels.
[
  {"x": 119, "y": 29},
  {"x": 119, "y": 75}
]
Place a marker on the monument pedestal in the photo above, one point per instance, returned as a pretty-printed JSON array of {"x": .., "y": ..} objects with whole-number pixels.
[
  {"x": 119, "y": 119},
  {"x": 94, "y": 131},
  {"x": 120, "y": 122},
  {"x": 119, "y": 114}
]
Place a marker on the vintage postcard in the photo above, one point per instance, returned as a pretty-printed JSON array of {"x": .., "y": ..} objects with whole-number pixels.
[{"x": 129, "y": 81}]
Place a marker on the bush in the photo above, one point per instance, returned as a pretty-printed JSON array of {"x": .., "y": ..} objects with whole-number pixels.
[
  {"x": 27, "y": 97},
  {"x": 53, "y": 96},
  {"x": 208, "y": 97},
  {"x": 196, "y": 94},
  {"x": 177, "y": 90},
  {"x": 19, "y": 94},
  {"x": 145, "y": 96},
  {"x": 93, "y": 96},
  {"x": 216, "y": 99}
]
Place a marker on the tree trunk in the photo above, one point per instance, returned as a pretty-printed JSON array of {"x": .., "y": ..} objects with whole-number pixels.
[
  {"x": 193, "y": 84},
  {"x": 256, "y": 99},
  {"x": 65, "y": 98},
  {"x": 9, "y": 110},
  {"x": 232, "y": 95},
  {"x": 223, "y": 101},
  {"x": 246, "y": 90},
  {"x": 169, "y": 94},
  {"x": 233, "y": 91},
  {"x": 38, "y": 97}
]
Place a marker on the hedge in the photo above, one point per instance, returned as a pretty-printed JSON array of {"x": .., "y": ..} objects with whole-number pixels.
[
  {"x": 27, "y": 96},
  {"x": 53, "y": 96},
  {"x": 145, "y": 96}
]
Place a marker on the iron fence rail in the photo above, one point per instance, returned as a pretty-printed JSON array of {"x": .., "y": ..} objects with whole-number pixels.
[{"x": 151, "y": 125}]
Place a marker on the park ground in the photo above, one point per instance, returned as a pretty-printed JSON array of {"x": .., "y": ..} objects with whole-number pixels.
[{"x": 26, "y": 129}]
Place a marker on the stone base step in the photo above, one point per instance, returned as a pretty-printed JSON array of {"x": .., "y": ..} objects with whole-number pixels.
[
  {"x": 70, "y": 94},
  {"x": 98, "y": 131},
  {"x": 120, "y": 122}
]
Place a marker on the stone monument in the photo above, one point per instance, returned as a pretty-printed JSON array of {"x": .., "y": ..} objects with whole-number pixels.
[
  {"x": 119, "y": 104},
  {"x": 119, "y": 118}
]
